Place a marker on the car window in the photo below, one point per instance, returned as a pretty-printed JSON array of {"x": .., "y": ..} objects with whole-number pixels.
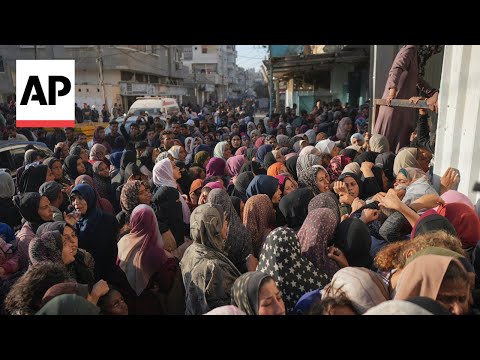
[{"x": 18, "y": 155}]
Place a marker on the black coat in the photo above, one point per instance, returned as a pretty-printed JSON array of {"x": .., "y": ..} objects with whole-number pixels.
[
  {"x": 168, "y": 210},
  {"x": 9, "y": 214}
]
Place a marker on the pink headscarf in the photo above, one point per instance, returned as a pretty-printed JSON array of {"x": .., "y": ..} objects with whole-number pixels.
[
  {"x": 215, "y": 185},
  {"x": 259, "y": 142},
  {"x": 234, "y": 164},
  {"x": 141, "y": 252},
  {"x": 452, "y": 196},
  {"x": 241, "y": 151}
]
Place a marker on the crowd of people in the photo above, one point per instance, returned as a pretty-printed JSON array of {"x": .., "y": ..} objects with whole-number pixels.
[{"x": 212, "y": 211}]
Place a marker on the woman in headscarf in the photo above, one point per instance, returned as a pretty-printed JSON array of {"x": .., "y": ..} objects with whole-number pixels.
[
  {"x": 97, "y": 153},
  {"x": 309, "y": 150},
  {"x": 268, "y": 160},
  {"x": 34, "y": 176},
  {"x": 215, "y": 167},
  {"x": 363, "y": 287},
  {"x": 222, "y": 150},
  {"x": 293, "y": 207},
  {"x": 306, "y": 161},
  {"x": 238, "y": 244},
  {"x": 258, "y": 218},
  {"x": 102, "y": 180},
  {"x": 234, "y": 164},
  {"x": 29, "y": 157},
  {"x": 326, "y": 200},
  {"x": 128, "y": 157},
  {"x": 97, "y": 231},
  {"x": 418, "y": 184},
  {"x": 241, "y": 184},
  {"x": 385, "y": 161},
  {"x": 82, "y": 154},
  {"x": 178, "y": 153},
  {"x": 276, "y": 169},
  {"x": 102, "y": 203},
  {"x": 336, "y": 166},
  {"x": 143, "y": 259},
  {"x": 133, "y": 194},
  {"x": 453, "y": 196},
  {"x": 147, "y": 160},
  {"x": 264, "y": 184},
  {"x": 436, "y": 277},
  {"x": 283, "y": 141},
  {"x": 57, "y": 170},
  {"x": 115, "y": 159},
  {"x": 201, "y": 159},
  {"x": 355, "y": 188},
  {"x": 327, "y": 146},
  {"x": 35, "y": 210},
  {"x": 99, "y": 138},
  {"x": 286, "y": 184},
  {"x": 315, "y": 235},
  {"x": 407, "y": 157},
  {"x": 315, "y": 178},
  {"x": 465, "y": 221},
  {"x": 256, "y": 293},
  {"x": 82, "y": 269},
  {"x": 291, "y": 165},
  {"x": 174, "y": 211},
  {"x": 242, "y": 150},
  {"x": 353, "y": 168},
  {"x": 353, "y": 239},
  {"x": 9, "y": 214},
  {"x": 281, "y": 258},
  {"x": 189, "y": 149},
  {"x": 205, "y": 265},
  {"x": 118, "y": 145},
  {"x": 262, "y": 151},
  {"x": 73, "y": 167},
  {"x": 50, "y": 247},
  {"x": 379, "y": 144},
  {"x": 344, "y": 131}
]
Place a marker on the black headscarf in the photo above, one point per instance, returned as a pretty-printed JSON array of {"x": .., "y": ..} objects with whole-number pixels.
[
  {"x": 433, "y": 222},
  {"x": 269, "y": 160},
  {"x": 386, "y": 161},
  {"x": 357, "y": 179},
  {"x": 128, "y": 157},
  {"x": 146, "y": 159},
  {"x": 353, "y": 238},
  {"x": 254, "y": 167},
  {"x": 33, "y": 176},
  {"x": 366, "y": 156},
  {"x": 241, "y": 184},
  {"x": 70, "y": 166},
  {"x": 236, "y": 201},
  {"x": 131, "y": 169},
  {"x": 251, "y": 153},
  {"x": 351, "y": 153},
  {"x": 294, "y": 207},
  {"x": 28, "y": 204},
  {"x": 291, "y": 165}
]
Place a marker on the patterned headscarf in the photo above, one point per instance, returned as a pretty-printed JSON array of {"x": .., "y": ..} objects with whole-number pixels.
[
  {"x": 238, "y": 244},
  {"x": 425, "y": 52},
  {"x": 295, "y": 275},
  {"x": 129, "y": 196},
  {"x": 307, "y": 178},
  {"x": 315, "y": 234},
  {"x": 246, "y": 291},
  {"x": 306, "y": 161},
  {"x": 257, "y": 216},
  {"x": 326, "y": 200},
  {"x": 48, "y": 247},
  {"x": 98, "y": 152}
]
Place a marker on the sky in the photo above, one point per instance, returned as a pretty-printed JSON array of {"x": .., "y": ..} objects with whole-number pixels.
[{"x": 250, "y": 56}]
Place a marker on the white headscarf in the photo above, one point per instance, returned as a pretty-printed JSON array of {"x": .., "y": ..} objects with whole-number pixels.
[
  {"x": 325, "y": 146},
  {"x": 7, "y": 187},
  {"x": 219, "y": 149},
  {"x": 163, "y": 176}
]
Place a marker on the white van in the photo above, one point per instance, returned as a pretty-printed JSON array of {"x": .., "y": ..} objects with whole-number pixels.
[{"x": 154, "y": 104}]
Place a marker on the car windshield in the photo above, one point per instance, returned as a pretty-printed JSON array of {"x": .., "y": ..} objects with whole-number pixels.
[{"x": 151, "y": 111}]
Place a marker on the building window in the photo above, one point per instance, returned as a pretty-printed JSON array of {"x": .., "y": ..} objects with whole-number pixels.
[
  {"x": 126, "y": 75},
  {"x": 2, "y": 68},
  {"x": 204, "y": 50},
  {"x": 153, "y": 79}
]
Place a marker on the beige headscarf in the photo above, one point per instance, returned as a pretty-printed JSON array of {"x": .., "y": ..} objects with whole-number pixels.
[
  {"x": 423, "y": 277},
  {"x": 407, "y": 157},
  {"x": 379, "y": 144},
  {"x": 353, "y": 167}
]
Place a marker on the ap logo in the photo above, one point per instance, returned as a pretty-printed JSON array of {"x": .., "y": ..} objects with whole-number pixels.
[{"x": 46, "y": 90}]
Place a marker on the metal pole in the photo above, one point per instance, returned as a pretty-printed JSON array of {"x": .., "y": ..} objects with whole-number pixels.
[
  {"x": 102, "y": 84},
  {"x": 271, "y": 80}
]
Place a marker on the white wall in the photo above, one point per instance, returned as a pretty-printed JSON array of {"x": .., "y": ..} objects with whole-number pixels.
[{"x": 458, "y": 132}]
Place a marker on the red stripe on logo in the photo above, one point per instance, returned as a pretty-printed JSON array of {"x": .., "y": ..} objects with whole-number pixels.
[{"x": 45, "y": 123}]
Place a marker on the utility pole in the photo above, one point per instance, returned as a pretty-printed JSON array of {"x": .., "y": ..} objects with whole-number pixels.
[
  {"x": 271, "y": 80},
  {"x": 100, "y": 73}
]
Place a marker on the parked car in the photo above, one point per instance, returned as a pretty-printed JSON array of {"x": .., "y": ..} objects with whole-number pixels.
[
  {"x": 155, "y": 104},
  {"x": 12, "y": 153}
]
